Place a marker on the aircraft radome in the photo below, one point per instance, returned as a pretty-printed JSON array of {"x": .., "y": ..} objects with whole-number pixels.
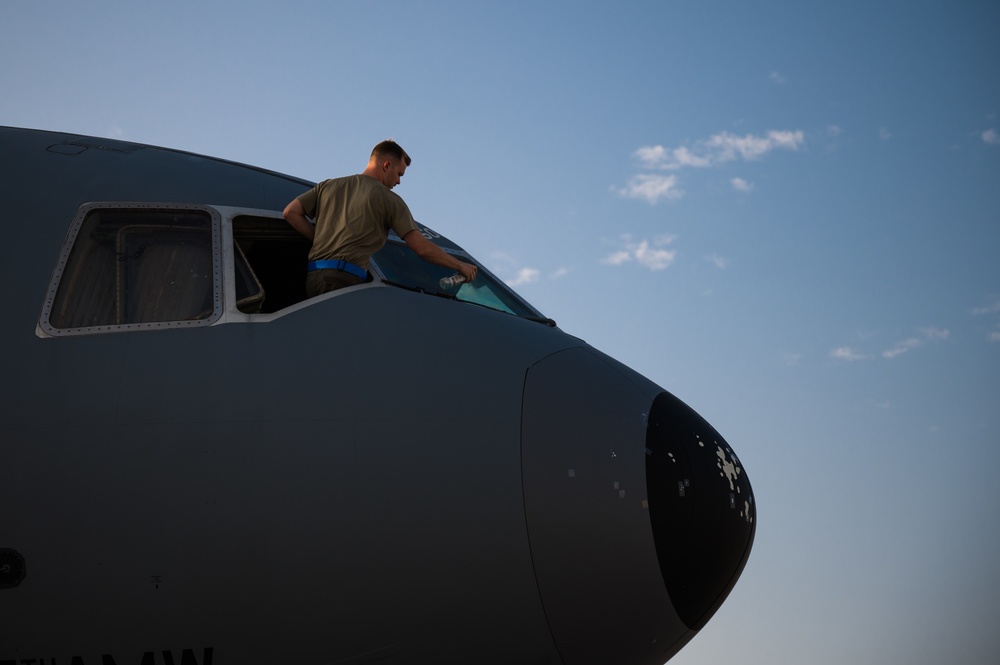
[{"x": 200, "y": 466}]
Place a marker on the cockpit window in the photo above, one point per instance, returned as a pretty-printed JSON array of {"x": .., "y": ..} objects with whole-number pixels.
[
  {"x": 271, "y": 260},
  {"x": 401, "y": 267},
  {"x": 141, "y": 266},
  {"x": 134, "y": 266}
]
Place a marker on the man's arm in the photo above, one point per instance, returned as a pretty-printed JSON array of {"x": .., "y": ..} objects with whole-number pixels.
[
  {"x": 295, "y": 215},
  {"x": 431, "y": 253}
]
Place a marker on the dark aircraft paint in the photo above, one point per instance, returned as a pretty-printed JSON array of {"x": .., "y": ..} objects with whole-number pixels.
[
  {"x": 375, "y": 475},
  {"x": 188, "y": 657}
]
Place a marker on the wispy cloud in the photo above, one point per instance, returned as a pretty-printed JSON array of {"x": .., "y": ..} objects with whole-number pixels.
[
  {"x": 902, "y": 347},
  {"x": 848, "y": 354},
  {"x": 658, "y": 157},
  {"x": 911, "y": 343},
  {"x": 617, "y": 258},
  {"x": 718, "y": 149},
  {"x": 652, "y": 187},
  {"x": 991, "y": 308},
  {"x": 935, "y": 334},
  {"x": 924, "y": 336},
  {"x": 741, "y": 185},
  {"x": 524, "y": 276},
  {"x": 991, "y": 137},
  {"x": 719, "y": 262},
  {"x": 653, "y": 255},
  {"x": 777, "y": 78},
  {"x": 512, "y": 271},
  {"x": 884, "y": 134}
]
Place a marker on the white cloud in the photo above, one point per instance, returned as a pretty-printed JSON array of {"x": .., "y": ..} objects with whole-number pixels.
[
  {"x": 652, "y": 188},
  {"x": 884, "y": 134},
  {"x": 749, "y": 147},
  {"x": 653, "y": 258},
  {"x": 992, "y": 308},
  {"x": 617, "y": 258},
  {"x": 991, "y": 137},
  {"x": 901, "y": 347},
  {"x": 719, "y": 262},
  {"x": 524, "y": 276},
  {"x": 777, "y": 78},
  {"x": 848, "y": 354},
  {"x": 652, "y": 255},
  {"x": 651, "y": 155},
  {"x": 560, "y": 273},
  {"x": 833, "y": 130},
  {"x": 741, "y": 185},
  {"x": 718, "y": 149},
  {"x": 927, "y": 335},
  {"x": 658, "y": 157},
  {"x": 935, "y": 334},
  {"x": 505, "y": 264}
]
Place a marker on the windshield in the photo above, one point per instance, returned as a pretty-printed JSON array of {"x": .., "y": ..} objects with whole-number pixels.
[{"x": 398, "y": 265}]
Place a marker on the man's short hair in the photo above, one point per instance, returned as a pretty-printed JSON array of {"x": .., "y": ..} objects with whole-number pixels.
[{"x": 390, "y": 149}]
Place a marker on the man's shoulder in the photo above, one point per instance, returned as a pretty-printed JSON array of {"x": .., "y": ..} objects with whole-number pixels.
[
  {"x": 393, "y": 196},
  {"x": 362, "y": 184},
  {"x": 340, "y": 181},
  {"x": 357, "y": 182}
]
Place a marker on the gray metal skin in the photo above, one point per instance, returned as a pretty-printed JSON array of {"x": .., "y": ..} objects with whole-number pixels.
[{"x": 373, "y": 476}]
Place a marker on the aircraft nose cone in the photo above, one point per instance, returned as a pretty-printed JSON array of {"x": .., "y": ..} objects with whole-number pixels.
[
  {"x": 639, "y": 516},
  {"x": 701, "y": 507}
]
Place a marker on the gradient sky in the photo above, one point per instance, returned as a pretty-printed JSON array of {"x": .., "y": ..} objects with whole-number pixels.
[{"x": 786, "y": 213}]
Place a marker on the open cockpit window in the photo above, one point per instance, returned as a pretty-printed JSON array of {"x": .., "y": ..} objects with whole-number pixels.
[
  {"x": 128, "y": 266},
  {"x": 399, "y": 266},
  {"x": 270, "y": 256},
  {"x": 249, "y": 291}
]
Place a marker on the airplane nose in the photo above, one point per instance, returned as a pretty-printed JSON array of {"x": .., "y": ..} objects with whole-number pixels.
[
  {"x": 701, "y": 508},
  {"x": 639, "y": 516}
]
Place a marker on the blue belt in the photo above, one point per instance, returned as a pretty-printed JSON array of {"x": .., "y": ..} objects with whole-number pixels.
[{"x": 346, "y": 266}]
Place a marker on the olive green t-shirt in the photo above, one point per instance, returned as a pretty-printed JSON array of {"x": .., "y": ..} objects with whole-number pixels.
[{"x": 353, "y": 216}]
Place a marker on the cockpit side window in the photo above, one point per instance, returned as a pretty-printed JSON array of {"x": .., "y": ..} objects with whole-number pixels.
[{"x": 128, "y": 266}]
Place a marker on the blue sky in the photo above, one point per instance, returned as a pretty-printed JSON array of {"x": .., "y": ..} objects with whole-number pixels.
[{"x": 786, "y": 214}]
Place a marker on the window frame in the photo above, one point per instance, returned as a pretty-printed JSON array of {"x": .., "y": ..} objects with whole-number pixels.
[
  {"x": 226, "y": 308},
  {"x": 462, "y": 255},
  {"x": 45, "y": 327}
]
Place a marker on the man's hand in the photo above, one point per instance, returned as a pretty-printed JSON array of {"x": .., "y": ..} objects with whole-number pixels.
[
  {"x": 468, "y": 271},
  {"x": 431, "y": 253}
]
